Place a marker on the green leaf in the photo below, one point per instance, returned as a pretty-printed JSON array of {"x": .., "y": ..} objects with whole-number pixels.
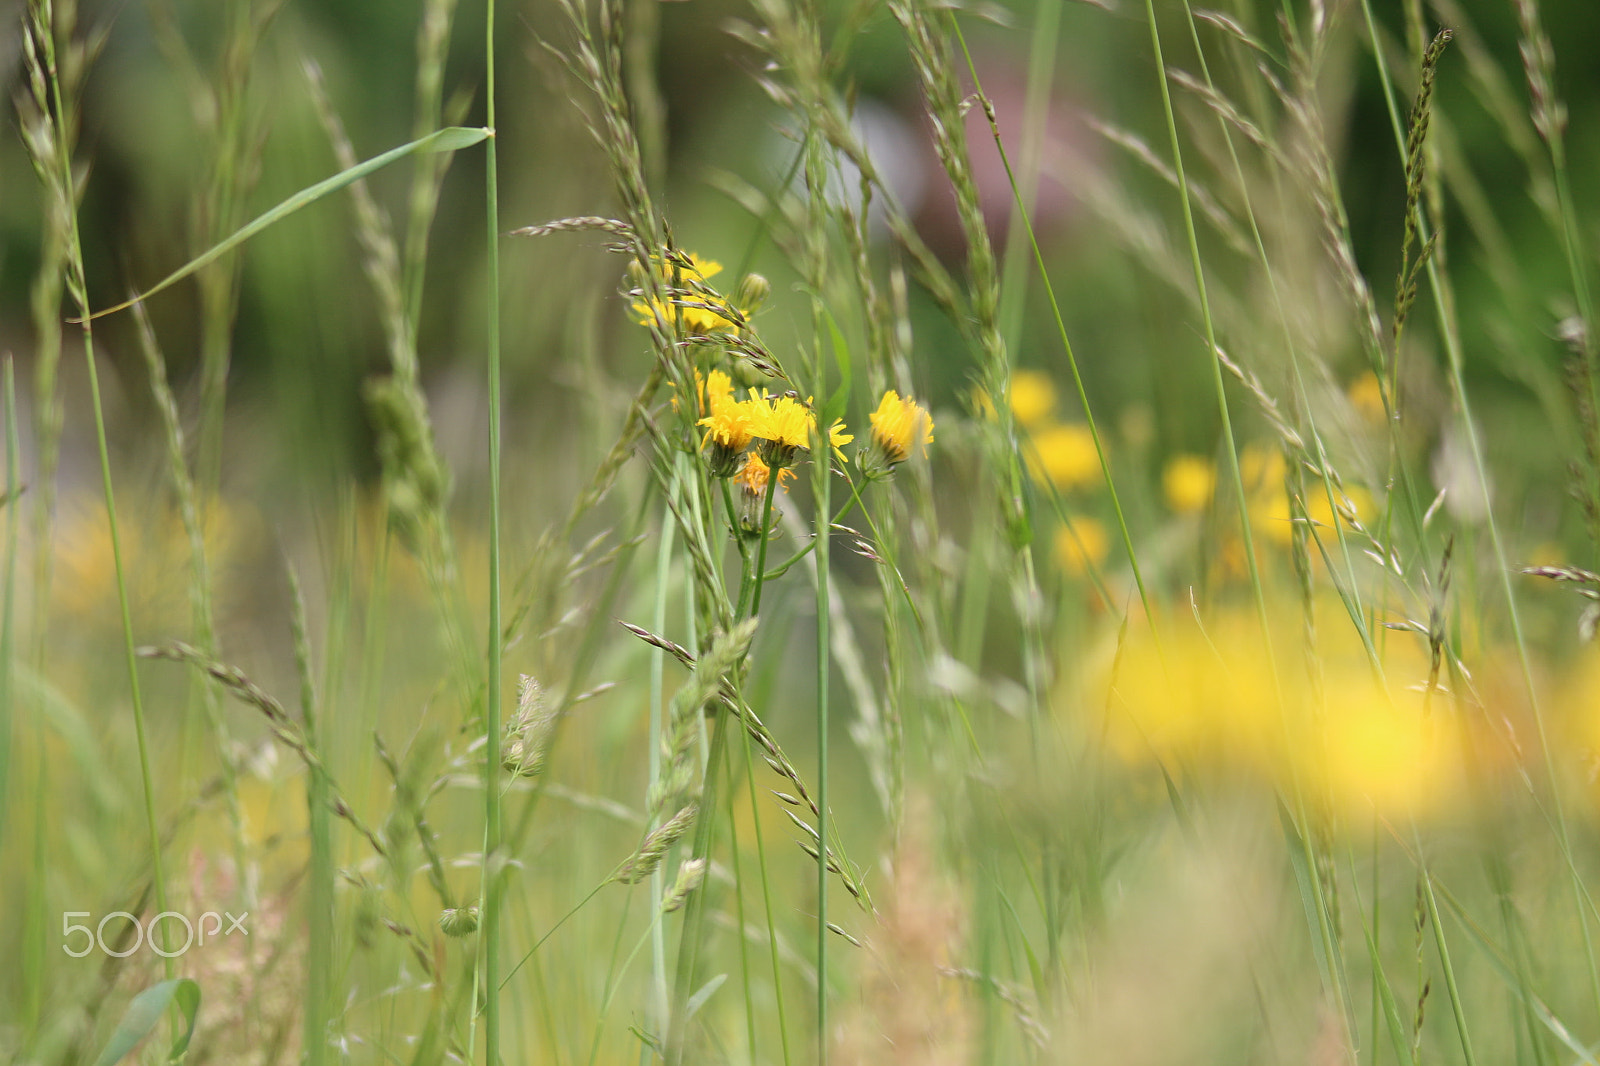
[
  {"x": 145, "y": 1012},
  {"x": 448, "y": 139}
]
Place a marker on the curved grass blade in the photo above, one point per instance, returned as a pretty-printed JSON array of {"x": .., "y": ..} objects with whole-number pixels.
[
  {"x": 145, "y": 1012},
  {"x": 449, "y": 139}
]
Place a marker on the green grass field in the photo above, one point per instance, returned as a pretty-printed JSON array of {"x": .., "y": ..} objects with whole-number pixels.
[{"x": 598, "y": 531}]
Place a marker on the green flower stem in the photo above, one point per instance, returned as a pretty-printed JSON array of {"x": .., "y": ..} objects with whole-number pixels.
[
  {"x": 766, "y": 535},
  {"x": 783, "y": 567}
]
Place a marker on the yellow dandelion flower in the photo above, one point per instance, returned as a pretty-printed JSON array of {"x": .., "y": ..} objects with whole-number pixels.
[
  {"x": 783, "y": 426},
  {"x": 1033, "y": 397},
  {"x": 728, "y": 431},
  {"x": 1064, "y": 455},
  {"x": 710, "y": 390},
  {"x": 1189, "y": 482},
  {"x": 897, "y": 424},
  {"x": 1081, "y": 546}
]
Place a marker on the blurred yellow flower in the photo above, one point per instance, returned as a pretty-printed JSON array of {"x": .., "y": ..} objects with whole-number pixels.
[
  {"x": 1261, "y": 468},
  {"x": 1366, "y": 396},
  {"x": 1065, "y": 455},
  {"x": 1033, "y": 397},
  {"x": 1189, "y": 482},
  {"x": 1380, "y": 748},
  {"x": 1212, "y": 701},
  {"x": 710, "y": 390},
  {"x": 1353, "y": 500},
  {"x": 1081, "y": 546}
]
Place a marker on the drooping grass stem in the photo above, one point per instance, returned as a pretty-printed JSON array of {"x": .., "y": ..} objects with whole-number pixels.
[{"x": 492, "y": 857}]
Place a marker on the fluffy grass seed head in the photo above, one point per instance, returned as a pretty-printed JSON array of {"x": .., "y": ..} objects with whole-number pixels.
[
  {"x": 686, "y": 279},
  {"x": 897, "y": 425}
]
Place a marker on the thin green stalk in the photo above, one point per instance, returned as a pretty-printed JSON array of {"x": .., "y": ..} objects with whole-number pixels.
[
  {"x": 614, "y": 974},
  {"x": 783, "y": 567},
  {"x": 766, "y": 894},
  {"x": 78, "y": 287},
  {"x": 616, "y": 980},
  {"x": 1301, "y": 393},
  {"x": 8, "y": 606},
  {"x": 1456, "y": 1005},
  {"x": 821, "y": 487},
  {"x": 694, "y": 916},
  {"x": 738, "y": 899},
  {"x": 658, "y": 944},
  {"x": 492, "y": 857},
  {"x": 766, "y": 536},
  {"x": 319, "y": 961}
]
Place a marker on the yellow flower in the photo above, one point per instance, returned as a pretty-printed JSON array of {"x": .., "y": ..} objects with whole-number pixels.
[
  {"x": 710, "y": 390},
  {"x": 754, "y": 475},
  {"x": 1262, "y": 468},
  {"x": 1065, "y": 455},
  {"x": 686, "y": 282},
  {"x": 1366, "y": 396},
  {"x": 1033, "y": 397},
  {"x": 1353, "y": 501},
  {"x": 1210, "y": 699},
  {"x": 1081, "y": 546},
  {"x": 752, "y": 480},
  {"x": 898, "y": 424},
  {"x": 1189, "y": 482},
  {"x": 783, "y": 425},
  {"x": 838, "y": 438},
  {"x": 728, "y": 431}
]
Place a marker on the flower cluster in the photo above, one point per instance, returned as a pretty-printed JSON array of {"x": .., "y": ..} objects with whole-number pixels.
[
  {"x": 780, "y": 426},
  {"x": 757, "y": 440}
]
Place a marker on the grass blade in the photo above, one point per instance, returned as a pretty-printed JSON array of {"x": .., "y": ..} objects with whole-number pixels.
[{"x": 449, "y": 139}]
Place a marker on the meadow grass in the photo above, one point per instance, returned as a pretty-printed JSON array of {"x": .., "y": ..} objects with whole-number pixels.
[{"x": 711, "y": 647}]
